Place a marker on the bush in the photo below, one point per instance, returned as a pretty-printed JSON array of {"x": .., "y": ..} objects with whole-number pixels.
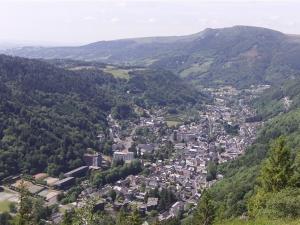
[{"x": 285, "y": 203}]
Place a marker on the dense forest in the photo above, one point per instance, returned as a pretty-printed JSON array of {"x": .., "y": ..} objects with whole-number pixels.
[{"x": 50, "y": 115}]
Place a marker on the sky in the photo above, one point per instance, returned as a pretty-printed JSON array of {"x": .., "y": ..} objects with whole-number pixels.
[{"x": 70, "y": 22}]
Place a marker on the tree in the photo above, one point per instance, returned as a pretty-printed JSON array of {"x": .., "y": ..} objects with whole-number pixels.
[
  {"x": 86, "y": 215},
  {"x": 25, "y": 212},
  {"x": 166, "y": 199},
  {"x": 295, "y": 179},
  {"x": 5, "y": 218},
  {"x": 277, "y": 169},
  {"x": 32, "y": 211},
  {"x": 121, "y": 218},
  {"x": 68, "y": 217},
  {"x": 205, "y": 212},
  {"x": 211, "y": 171},
  {"x": 134, "y": 218},
  {"x": 12, "y": 207},
  {"x": 275, "y": 175},
  {"x": 113, "y": 195}
]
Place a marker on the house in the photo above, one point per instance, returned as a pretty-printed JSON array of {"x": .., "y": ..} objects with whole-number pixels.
[
  {"x": 99, "y": 206},
  {"x": 152, "y": 204},
  {"x": 145, "y": 148},
  {"x": 118, "y": 147},
  {"x": 176, "y": 209},
  {"x": 164, "y": 216}
]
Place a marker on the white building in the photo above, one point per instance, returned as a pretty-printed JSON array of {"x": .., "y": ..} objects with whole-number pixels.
[{"x": 125, "y": 156}]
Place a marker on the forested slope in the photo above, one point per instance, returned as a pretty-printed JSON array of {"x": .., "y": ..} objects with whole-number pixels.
[
  {"x": 243, "y": 190},
  {"x": 239, "y": 55},
  {"x": 49, "y": 115}
]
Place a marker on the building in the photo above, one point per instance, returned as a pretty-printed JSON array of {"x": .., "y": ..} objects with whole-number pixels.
[
  {"x": 99, "y": 205},
  {"x": 51, "y": 181},
  {"x": 40, "y": 176},
  {"x": 92, "y": 159},
  {"x": 32, "y": 188},
  {"x": 50, "y": 196},
  {"x": 125, "y": 156},
  {"x": 152, "y": 204},
  {"x": 64, "y": 183},
  {"x": 79, "y": 172},
  {"x": 176, "y": 209},
  {"x": 145, "y": 148}
]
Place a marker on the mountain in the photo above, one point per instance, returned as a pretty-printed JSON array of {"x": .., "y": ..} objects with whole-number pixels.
[
  {"x": 48, "y": 115},
  {"x": 238, "y": 55}
]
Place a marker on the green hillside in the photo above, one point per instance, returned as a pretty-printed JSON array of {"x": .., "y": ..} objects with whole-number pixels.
[
  {"x": 50, "y": 115},
  {"x": 239, "y": 55},
  {"x": 232, "y": 196}
]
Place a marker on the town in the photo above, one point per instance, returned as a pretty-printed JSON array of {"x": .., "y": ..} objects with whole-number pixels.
[{"x": 173, "y": 159}]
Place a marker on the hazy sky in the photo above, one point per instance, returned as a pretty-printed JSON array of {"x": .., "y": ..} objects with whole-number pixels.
[{"x": 78, "y": 22}]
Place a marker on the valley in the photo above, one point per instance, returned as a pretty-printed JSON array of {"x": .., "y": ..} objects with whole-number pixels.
[
  {"x": 163, "y": 130},
  {"x": 180, "y": 160}
]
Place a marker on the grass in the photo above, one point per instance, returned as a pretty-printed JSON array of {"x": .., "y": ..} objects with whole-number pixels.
[
  {"x": 118, "y": 73},
  {"x": 4, "y": 206},
  {"x": 260, "y": 221},
  {"x": 172, "y": 123},
  {"x": 196, "y": 68},
  {"x": 173, "y": 120}
]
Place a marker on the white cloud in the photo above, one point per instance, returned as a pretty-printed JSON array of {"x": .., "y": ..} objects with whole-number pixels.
[
  {"x": 203, "y": 20},
  {"x": 114, "y": 20},
  {"x": 89, "y": 18},
  {"x": 274, "y": 18},
  {"x": 292, "y": 23},
  {"x": 151, "y": 20},
  {"x": 68, "y": 20},
  {"x": 124, "y": 2}
]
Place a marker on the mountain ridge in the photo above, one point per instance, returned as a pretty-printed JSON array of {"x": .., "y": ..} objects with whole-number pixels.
[
  {"x": 142, "y": 40},
  {"x": 239, "y": 55}
]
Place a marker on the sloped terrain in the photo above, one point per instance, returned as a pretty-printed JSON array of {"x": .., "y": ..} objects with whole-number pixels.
[{"x": 237, "y": 55}]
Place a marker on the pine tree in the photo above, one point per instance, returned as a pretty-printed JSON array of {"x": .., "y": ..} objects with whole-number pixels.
[
  {"x": 205, "y": 212},
  {"x": 25, "y": 212},
  {"x": 86, "y": 215},
  {"x": 295, "y": 179},
  {"x": 134, "y": 218},
  {"x": 121, "y": 218},
  {"x": 277, "y": 169},
  {"x": 275, "y": 175}
]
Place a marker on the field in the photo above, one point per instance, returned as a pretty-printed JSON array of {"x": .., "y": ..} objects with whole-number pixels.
[
  {"x": 260, "y": 221},
  {"x": 6, "y": 197},
  {"x": 172, "y": 120},
  {"x": 4, "y": 206},
  {"x": 196, "y": 69},
  {"x": 117, "y": 72},
  {"x": 172, "y": 123}
]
